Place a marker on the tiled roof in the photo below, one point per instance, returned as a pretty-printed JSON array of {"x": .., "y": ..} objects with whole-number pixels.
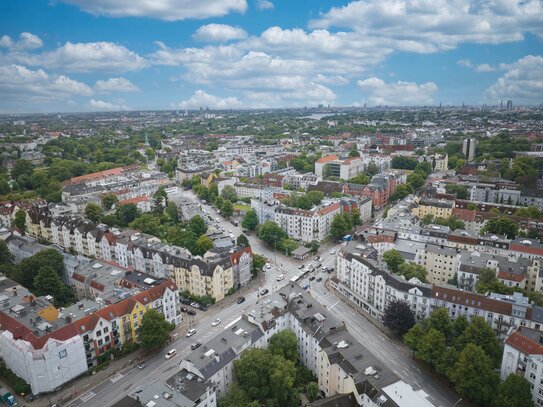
[
  {"x": 141, "y": 198},
  {"x": 467, "y": 299},
  {"x": 523, "y": 343},
  {"x": 327, "y": 159}
]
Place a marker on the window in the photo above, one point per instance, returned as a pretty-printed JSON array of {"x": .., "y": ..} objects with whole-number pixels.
[
  {"x": 62, "y": 354},
  {"x": 106, "y": 330}
]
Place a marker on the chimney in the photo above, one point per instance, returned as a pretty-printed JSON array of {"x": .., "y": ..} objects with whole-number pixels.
[{"x": 15, "y": 291}]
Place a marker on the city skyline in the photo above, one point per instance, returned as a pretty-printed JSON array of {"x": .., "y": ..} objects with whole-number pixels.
[{"x": 77, "y": 55}]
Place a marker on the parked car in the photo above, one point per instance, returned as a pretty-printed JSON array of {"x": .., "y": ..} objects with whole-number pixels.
[
  {"x": 203, "y": 308},
  {"x": 319, "y": 279},
  {"x": 195, "y": 305},
  {"x": 142, "y": 365},
  {"x": 191, "y": 312},
  {"x": 185, "y": 301},
  {"x": 318, "y": 265},
  {"x": 264, "y": 291},
  {"x": 317, "y": 258},
  {"x": 216, "y": 322},
  {"x": 301, "y": 266},
  {"x": 240, "y": 300},
  {"x": 171, "y": 354},
  {"x": 311, "y": 278},
  {"x": 195, "y": 345},
  {"x": 191, "y": 332},
  {"x": 268, "y": 266},
  {"x": 280, "y": 277},
  {"x": 332, "y": 252}
]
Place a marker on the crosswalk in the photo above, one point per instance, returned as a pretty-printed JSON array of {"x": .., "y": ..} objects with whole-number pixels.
[
  {"x": 117, "y": 377},
  {"x": 88, "y": 396}
]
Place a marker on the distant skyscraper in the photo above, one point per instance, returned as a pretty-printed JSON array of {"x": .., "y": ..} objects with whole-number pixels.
[
  {"x": 468, "y": 148},
  {"x": 509, "y": 105}
]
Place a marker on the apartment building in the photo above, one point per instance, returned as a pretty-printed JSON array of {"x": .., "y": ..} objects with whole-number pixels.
[
  {"x": 441, "y": 262},
  {"x": 438, "y": 208},
  {"x": 439, "y": 162},
  {"x": 523, "y": 355},
  {"x": 48, "y": 347}
]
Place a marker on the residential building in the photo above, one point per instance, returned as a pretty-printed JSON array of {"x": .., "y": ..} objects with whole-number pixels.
[
  {"x": 441, "y": 262},
  {"x": 469, "y": 148},
  {"x": 438, "y": 208}
]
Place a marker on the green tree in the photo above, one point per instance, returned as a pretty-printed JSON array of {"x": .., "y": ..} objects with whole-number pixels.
[
  {"x": 20, "y": 220},
  {"x": 108, "y": 200},
  {"x": 514, "y": 391},
  {"x": 258, "y": 264},
  {"x": 284, "y": 343},
  {"x": 413, "y": 338},
  {"x": 197, "y": 225},
  {"x": 529, "y": 212},
  {"x": 402, "y": 191},
  {"x": 372, "y": 169},
  {"x": 154, "y": 331},
  {"x": 235, "y": 397},
  {"x": 227, "y": 209},
  {"x": 410, "y": 270},
  {"x": 353, "y": 153},
  {"x": 472, "y": 207},
  {"x": 287, "y": 246},
  {"x": 229, "y": 193},
  {"x": 94, "y": 212},
  {"x": 313, "y": 246},
  {"x": 250, "y": 220},
  {"x": 160, "y": 200},
  {"x": 5, "y": 254},
  {"x": 416, "y": 180},
  {"x": 473, "y": 375},
  {"x": 393, "y": 260},
  {"x": 47, "y": 282},
  {"x": 303, "y": 202},
  {"x": 501, "y": 226},
  {"x": 22, "y": 168},
  {"x": 399, "y": 317},
  {"x": 427, "y": 219},
  {"x": 30, "y": 266},
  {"x": 480, "y": 333},
  {"x": 341, "y": 225},
  {"x": 148, "y": 223},
  {"x": 315, "y": 197},
  {"x": 361, "y": 179},
  {"x": 461, "y": 191},
  {"x": 203, "y": 244},
  {"x": 432, "y": 346},
  {"x": 171, "y": 211},
  {"x": 312, "y": 391},
  {"x": 355, "y": 218},
  {"x": 439, "y": 319},
  {"x": 242, "y": 240},
  {"x": 271, "y": 233},
  {"x": 127, "y": 214}
]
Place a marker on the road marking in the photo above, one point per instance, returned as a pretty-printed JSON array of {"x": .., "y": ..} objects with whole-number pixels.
[
  {"x": 334, "y": 304},
  {"x": 88, "y": 396},
  {"x": 117, "y": 377}
]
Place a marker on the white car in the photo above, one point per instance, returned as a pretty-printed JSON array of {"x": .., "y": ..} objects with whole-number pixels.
[
  {"x": 268, "y": 266},
  {"x": 332, "y": 252},
  {"x": 216, "y": 322},
  {"x": 280, "y": 277},
  {"x": 171, "y": 354},
  {"x": 191, "y": 332},
  {"x": 301, "y": 266}
]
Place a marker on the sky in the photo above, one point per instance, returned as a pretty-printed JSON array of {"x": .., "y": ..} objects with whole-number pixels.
[{"x": 108, "y": 55}]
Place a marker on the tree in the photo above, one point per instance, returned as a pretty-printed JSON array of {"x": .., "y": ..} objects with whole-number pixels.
[
  {"x": 127, "y": 213},
  {"x": 315, "y": 197},
  {"x": 431, "y": 347},
  {"x": 287, "y": 246},
  {"x": 416, "y": 180},
  {"x": 229, "y": 193},
  {"x": 501, "y": 226},
  {"x": 197, "y": 225},
  {"x": 312, "y": 391},
  {"x": 94, "y": 212},
  {"x": 394, "y": 260},
  {"x": 250, "y": 220},
  {"x": 171, "y": 211},
  {"x": 514, "y": 391},
  {"x": 22, "y": 168},
  {"x": 20, "y": 220},
  {"x": 341, "y": 225},
  {"x": 353, "y": 153},
  {"x": 461, "y": 191},
  {"x": 160, "y": 200},
  {"x": 242, "y": 240},
  {"x": 473, "y": 375},
  {"x": 203, "y": 244},
  {"x": 303, "y": 202},
  {"x": 529, "y": 212},
  {"x": 402, "y": 191},
  {"x": 258, "y": 264},
  {"x": 410, "y": 270},
  {"x": 148, "y": 223},
  {"x": 30, "y": 266},
  {"x": 47, "y": 282},
  {"x": 271, "y": 233},
  {"x": 480, "y": 333},
  {"x": 154, "y": 330},
  {"x": 399, "y": 317},
  {"x": 108, "y": 200},
  {"x": 439, "y": 319},
  {"x": 284, "y": 343},
  {"x": 361, "y": 179},
  {"x": 5, "y": 254},
  {"x": 313, "y": 246},
  {"x": 355, "y": 218},
  {"x": 227, "y": 209},
  {"x": 372, "y": 169},
  {"x": 427, "y": 219},
  {"x": 413, "y": 337}
]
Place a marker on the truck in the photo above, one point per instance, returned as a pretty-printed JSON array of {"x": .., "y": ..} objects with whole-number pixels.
[
  {"x": 7, "y": 398},
  {"x": 234, "y": 222}
]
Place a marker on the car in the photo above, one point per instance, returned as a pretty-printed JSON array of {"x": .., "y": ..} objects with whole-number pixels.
[
  {"x": 317, "y": 258},
  {"x": 171, "y": 354},
  {"x": 191, "y": 332},
  {"x": 240, "y": 300},
  {"x": 311, "y": 278},
  {"x": 268, "y": 266},
  {"x": 325, "y": 268},
  {"x": 264, "y": 291},
  {"x": 195, "y": 345},
  {"x": 195, "y": 305},
  {"x": 319, "y": 279},
  {"x": 331, "y": 270},
  {"x": 318, "y": 265},
  {"x": 185, "y": 301},
  {"x": 203, "y": 308},
  {"x": 332, "y": 252},
  {"x": 191, "y": 312},
  {"x": 184, "y": 309},
  {"x": 142, "y": 365},
  {"x": 216, "y": 322},
  {"x": 301, "y": 266},
  {"x": 229, "y": 230},
  {"x": 280, "y": 277}
]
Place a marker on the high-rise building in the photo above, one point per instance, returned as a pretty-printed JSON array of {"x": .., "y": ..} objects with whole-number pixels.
[
  {"x": 469, "y": 148},
  {"x": 509, "y": 105}
]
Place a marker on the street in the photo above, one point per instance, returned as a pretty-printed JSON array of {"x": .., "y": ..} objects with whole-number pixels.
[{"x": 395, "y": 356}]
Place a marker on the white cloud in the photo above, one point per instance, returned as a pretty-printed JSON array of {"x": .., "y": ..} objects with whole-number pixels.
[
  {"x": 202, "y": 99},
  {"x": 435, "y": 25},
  {"x": 100, "y": 105},
  {"x": 479, "y": 68},
  {"x": 264, "y": 5},
  {"x": 219, "y": 33},
  {"x": 85, "y": 57},
  {"x": 378, "y": 92},
  {"x": 169, "y": 10},
  {"x": 115, "y": 85},
  {"x": 523, "y": 82},
  {"x": 26, "y": 41},
  {"x": 19, "y": 84}
]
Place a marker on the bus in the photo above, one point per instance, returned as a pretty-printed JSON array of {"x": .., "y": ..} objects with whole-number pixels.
[{"x": 296, "y": 278}]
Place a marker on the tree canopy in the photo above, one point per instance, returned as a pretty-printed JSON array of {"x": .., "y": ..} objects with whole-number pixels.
[
  {"x": 399, "y": 317},
  {"x": 154, "y": 331}
]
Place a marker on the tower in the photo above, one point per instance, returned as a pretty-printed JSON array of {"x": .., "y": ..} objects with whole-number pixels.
[{"x": 469, "y": 148}]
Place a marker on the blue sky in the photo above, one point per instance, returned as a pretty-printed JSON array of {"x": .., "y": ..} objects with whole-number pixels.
[{"x": 96, "y": 55}]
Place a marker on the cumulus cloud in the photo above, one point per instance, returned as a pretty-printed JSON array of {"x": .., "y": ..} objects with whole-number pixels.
[
  {"x": 115, "y": 85},
  {"x": 100, "y": 105},
  {"x": 431, "y": 26},
  {"x": 85, "y": 57},
  {"x": 26, "y": 41},
  {"x": 201, "y": 98},
  {"x": 219, "y": 33},
  {"x": 479, "y": 68},
  {"x": 169, "y": 10},
  {"x": 523, "y": 81},
  {"x": 378, "y": 92},
  {"x": 18, "y": 84},
  {"x": 264, "y": 5}
]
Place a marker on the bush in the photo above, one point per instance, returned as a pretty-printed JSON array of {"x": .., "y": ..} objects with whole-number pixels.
[
  {"x": 18, "y": 385},
  {"x": 203, "y": 300},
  {"x": 96, "y": 369}
]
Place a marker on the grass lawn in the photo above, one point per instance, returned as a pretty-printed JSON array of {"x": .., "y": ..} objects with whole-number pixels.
[{"x": 242, "y": 208}]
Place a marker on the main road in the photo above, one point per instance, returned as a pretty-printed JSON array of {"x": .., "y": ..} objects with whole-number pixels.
[{"x": 393, "y": 355}]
